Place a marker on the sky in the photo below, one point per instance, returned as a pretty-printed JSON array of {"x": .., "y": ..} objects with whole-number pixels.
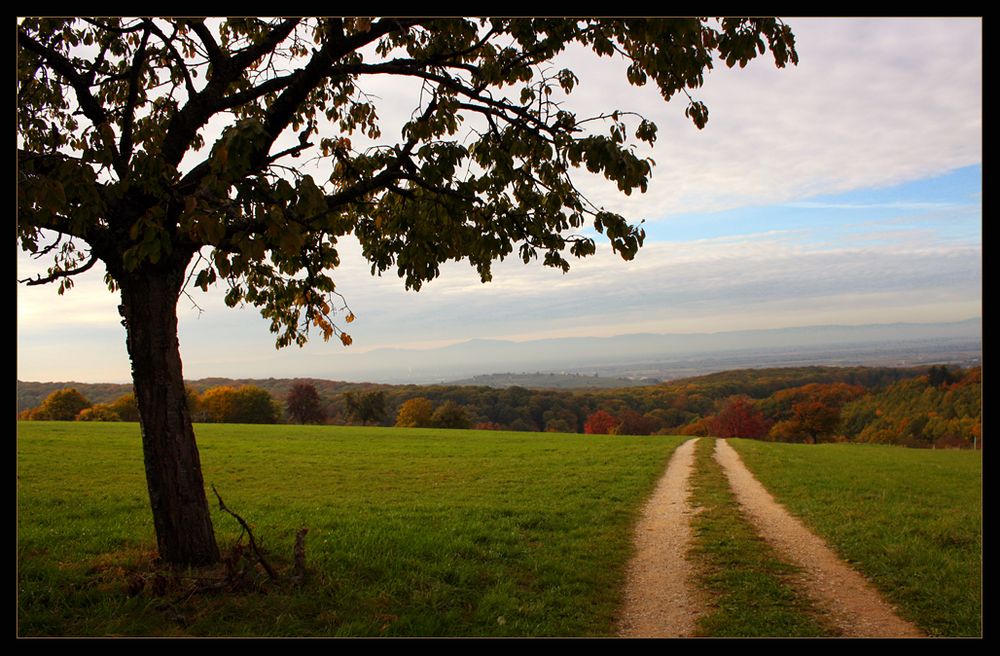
[{"x": 846, "y": 190}]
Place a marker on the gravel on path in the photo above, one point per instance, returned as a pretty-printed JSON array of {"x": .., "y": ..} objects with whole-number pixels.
[{"x": 661, "y": 599}]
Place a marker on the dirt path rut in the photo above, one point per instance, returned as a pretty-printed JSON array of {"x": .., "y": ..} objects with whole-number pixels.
[
  {"x": 660, "y": 597},
  {"x": 848, "y": 599}
]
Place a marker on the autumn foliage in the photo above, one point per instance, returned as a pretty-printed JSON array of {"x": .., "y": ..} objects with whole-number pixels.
[
  {"x": 739, "y": 417},
  {"x": 600, "y": 423},
  {"x": 939, "y": 406}
]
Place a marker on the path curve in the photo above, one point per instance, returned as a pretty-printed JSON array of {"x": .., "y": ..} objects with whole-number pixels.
[
  {"x": 849, "y": 600},
  {"x": 660, "y": 597}
]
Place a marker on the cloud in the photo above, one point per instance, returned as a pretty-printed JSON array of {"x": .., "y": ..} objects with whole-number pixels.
[
  {"x": 893, "y": 205},
  {"x": 873, "y": 102}
]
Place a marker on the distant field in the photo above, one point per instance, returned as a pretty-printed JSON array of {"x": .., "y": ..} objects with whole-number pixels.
[
  {"x": 412, "y": 532},
  {"x": 910, "y": 520}
]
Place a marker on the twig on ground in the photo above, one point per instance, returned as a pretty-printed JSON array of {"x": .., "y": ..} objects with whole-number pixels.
[{"x": 253, "y": 543}]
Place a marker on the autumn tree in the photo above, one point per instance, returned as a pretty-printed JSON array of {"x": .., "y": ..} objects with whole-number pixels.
[
  {"x": 415, "y": 413},
  {"x": 62, "y": 405},
  {"x": 303, "y": 404},
  {"x": 98, "y": 412},
  {"x": 600, "y": 423},
  {"x": 126, "y": 407},
  {"x": 631, "y": 422},
  {"x": 739, "y": 417},
  {"x": 166, "y": 150},
  {"x": 247, "y": 404}
]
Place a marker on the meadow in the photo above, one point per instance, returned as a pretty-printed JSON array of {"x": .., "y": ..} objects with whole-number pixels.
[
  {"x": 910, "y": 520},
  {"x": 433, "y": 532},
  {"x": 411, "y": 532}
]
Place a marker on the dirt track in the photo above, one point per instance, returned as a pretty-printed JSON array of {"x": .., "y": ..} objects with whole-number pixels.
[
  {"x": 660, "y": 597},
  {"x": 849, "y": 601}
]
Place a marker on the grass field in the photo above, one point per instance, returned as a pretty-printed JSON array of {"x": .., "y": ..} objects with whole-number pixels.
[
  {"x": 910, "y": 520},
  {"x": 412, "y": 532},
  {"x": 432, "y": 532}
]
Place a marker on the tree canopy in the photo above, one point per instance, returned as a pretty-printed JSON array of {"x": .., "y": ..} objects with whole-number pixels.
[
  {"x": 172, "y": 151},
  {"x": 113, "y": 117}
]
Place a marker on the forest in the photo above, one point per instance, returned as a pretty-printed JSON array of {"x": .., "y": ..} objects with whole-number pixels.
[{"x": 937, "y": 406}]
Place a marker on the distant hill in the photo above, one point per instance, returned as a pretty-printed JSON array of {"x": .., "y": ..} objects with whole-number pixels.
[
  {"x": 756, "y": 382},
  {"x": 667, "y": 356},
  {"x": 552, "y": 380},
  {"x": 618, "y": 362}
]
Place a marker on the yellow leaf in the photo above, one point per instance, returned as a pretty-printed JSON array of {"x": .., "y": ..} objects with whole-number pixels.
[
  {"x": 346, "y": 339},
  {"x": 349, "y": 318}
]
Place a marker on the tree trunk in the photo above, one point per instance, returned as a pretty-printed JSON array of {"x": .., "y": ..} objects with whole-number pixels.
[{"x": 181, "y": 516}]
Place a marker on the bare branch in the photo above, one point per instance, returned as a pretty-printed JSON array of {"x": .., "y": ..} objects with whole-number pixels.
[{"x": 253, "y": 543}]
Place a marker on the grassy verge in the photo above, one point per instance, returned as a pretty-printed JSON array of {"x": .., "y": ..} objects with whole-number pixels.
[
  {"x": 412, "y": 532},
  {"x": 749, "y": 585},
  {"x": 910, "y": 520}
]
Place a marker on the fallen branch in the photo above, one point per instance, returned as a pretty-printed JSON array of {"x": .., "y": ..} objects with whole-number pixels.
[
  {"x": 253, "y": 544},
  {"x": 300, "y": 554}
]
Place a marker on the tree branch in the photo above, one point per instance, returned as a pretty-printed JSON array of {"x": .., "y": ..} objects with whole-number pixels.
[
  {"x": 56, "y": 275},
  {"x": 128, "y": 113},
  {"x": 253, "y": 543},
  {"x": 184, "y": 125},
  {"x": 91, "y": 108},
  {"x": 247, "y": 57},
  {"x": 215, "y": 54},
  {"x": 176, "y": 56}
]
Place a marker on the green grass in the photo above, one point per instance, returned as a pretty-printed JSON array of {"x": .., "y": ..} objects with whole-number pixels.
[
  {"x": 751, "y": 589},
  {"x": 412, "y": 532},
  {"x": 910, "y": 520}
]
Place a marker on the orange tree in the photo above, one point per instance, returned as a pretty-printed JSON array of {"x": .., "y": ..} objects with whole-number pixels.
[{"x": 117, "y": 162}]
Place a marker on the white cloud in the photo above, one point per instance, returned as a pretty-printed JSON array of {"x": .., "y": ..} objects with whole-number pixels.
[{"x": 872, "y": 102}]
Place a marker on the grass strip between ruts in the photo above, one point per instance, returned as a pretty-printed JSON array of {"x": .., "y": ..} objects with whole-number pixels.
[{"x": 751, "y": 590}]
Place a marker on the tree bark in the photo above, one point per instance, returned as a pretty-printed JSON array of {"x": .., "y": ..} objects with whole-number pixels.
[{"x": 181, "y": 516}]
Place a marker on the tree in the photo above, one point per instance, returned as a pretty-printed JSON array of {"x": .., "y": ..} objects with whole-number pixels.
[
  {"x": 118, "y": 163},
  {"x": 125, "y": 407},
  {"x": 216, "y": 404},
  {"x": 99, "y": 412},
  {"x": 450, "y": 415},
  {"x": 369, "y": 406},
  {"x": 739, "y": 417},
  {"x": 939, "y": 376},
  {"x": 631, "y": 422},
  {"x": 247, "y": 404},
  {"x": 600, "y": 423},
  {"x": 61, "y": 405},
  {"x": 415, "y": 413},
  {"x": 304, "y": 405}
]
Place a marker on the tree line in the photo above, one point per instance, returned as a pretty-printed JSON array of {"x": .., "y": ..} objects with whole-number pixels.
[{"x": 919, "y": 407}]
